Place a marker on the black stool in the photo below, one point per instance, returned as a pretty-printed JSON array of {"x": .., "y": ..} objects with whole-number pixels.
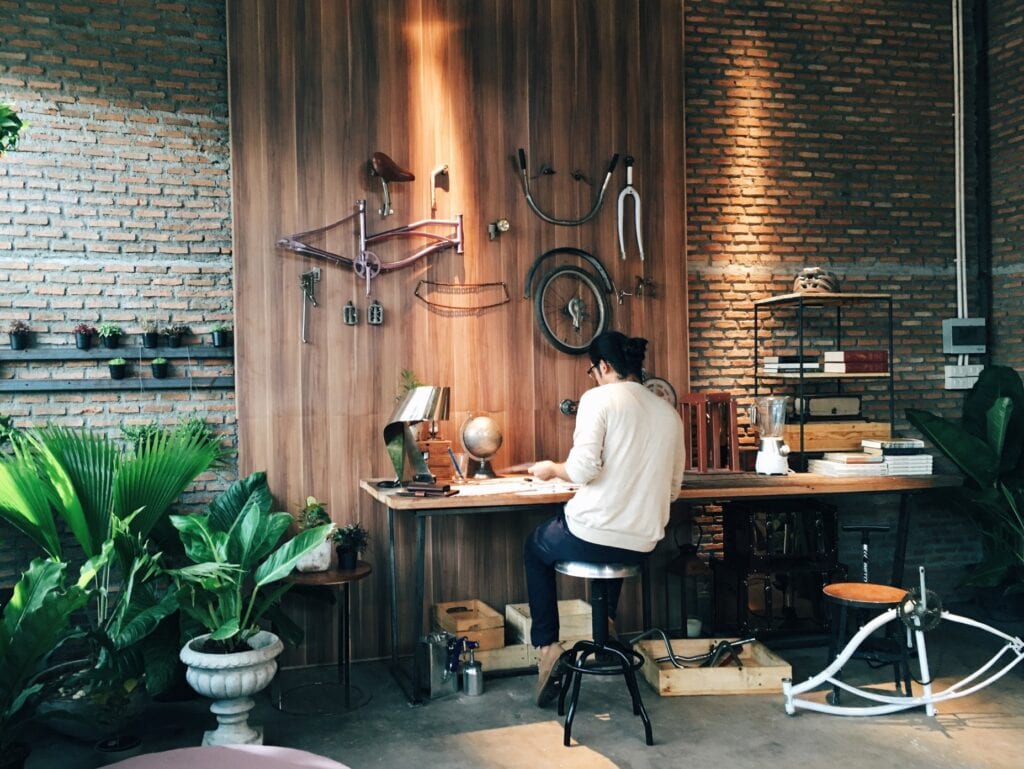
[{"x": 615, "y": 658}]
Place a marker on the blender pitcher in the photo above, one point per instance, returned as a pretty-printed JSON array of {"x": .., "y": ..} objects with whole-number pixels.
[{"x": 768, "y": 416}]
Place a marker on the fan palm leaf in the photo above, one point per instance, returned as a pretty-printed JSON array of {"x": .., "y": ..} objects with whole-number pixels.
[{"x": 26, "y": 502}]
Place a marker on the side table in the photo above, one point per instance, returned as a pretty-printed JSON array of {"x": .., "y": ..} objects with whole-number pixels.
[{"x": 349, "y": 697}]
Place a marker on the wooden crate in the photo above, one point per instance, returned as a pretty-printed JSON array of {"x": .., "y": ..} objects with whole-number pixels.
[
  {"x": 473, "y": 619},
  {"x": 833, "y": 436},
  {"x": 573, "y": 621},
  {"x": 762, "y": 670}
]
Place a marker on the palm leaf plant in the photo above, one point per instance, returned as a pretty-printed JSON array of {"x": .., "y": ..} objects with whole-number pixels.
[
  {"x": 987, "y": 445},
  {"x": 114, "y": 504},
  {"x": 238, "y": 562}
]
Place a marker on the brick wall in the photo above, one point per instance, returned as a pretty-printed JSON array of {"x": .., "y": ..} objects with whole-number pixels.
[
  {"x": 1006, "y": 116},
  {"x": 820, "y": 134},
  {"x": 116, "y": 207}
]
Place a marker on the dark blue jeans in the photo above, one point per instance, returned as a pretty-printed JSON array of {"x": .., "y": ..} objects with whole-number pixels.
[{"x": 550, "y": 542}]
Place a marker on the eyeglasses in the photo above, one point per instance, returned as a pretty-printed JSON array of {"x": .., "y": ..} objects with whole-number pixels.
[{"x": 590, "y": 371}]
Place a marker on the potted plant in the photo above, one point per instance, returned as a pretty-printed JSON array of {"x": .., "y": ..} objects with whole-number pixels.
[
  {"x": 175, "y": 332},
  {"x": 11, "y": 127},
  {"x": 350, "y": 540},
  {"x": 114, "y": 504},
  {"x": 222, "y": 335},
  {"x": 36, "y": 622},
  {"x": 18, "y": 332},
  {"x": 987, "y": 445},
  {"x": 118, "y": 368},
  {"x": 236, "y": 558},
  {"x": 150, "y": 334},
  {"x": 83, "y": 336},
  {"x": 312, "y": 515},
  {"x": 159, "y": 366},
  {"x": 110, "y": 335}
]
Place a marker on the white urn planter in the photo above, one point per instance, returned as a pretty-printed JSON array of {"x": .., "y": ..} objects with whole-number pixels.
[
  {"x": 316, "y": 560},
  {"x": 230, "y": 680}
]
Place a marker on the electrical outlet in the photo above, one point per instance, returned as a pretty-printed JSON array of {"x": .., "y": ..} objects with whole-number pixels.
[{"x": 962, "y": 377}]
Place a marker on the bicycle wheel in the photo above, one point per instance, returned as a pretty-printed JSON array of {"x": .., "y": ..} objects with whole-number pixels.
[{"x": 571, "y": 309}]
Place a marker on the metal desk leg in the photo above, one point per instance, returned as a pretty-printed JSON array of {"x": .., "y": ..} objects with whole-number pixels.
[
  {"x": 902, "y": 535},
  {"x": 417, "y": 609}
]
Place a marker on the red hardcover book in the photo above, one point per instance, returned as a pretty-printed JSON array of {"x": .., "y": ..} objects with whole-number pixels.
[
  {"x": 857, "y": 356},
  {"x": 856, "y": 367}
]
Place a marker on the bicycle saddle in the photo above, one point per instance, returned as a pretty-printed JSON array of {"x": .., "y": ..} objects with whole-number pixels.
[{"x": 388, "y": 170}]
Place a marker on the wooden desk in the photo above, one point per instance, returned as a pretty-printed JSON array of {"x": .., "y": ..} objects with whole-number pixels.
[{"x": 697, "y": 489}]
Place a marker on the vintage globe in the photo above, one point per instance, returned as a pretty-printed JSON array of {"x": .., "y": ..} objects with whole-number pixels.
[{"x": 481, "y": 438}]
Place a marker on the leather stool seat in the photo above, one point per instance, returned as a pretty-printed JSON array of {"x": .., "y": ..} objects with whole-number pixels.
[
  {"x": 873, "y": 598},
  {"x": 610, "y": 656}
]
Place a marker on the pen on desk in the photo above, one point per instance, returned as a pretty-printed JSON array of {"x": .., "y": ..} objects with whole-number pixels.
[{"x": 455, "y": 463}]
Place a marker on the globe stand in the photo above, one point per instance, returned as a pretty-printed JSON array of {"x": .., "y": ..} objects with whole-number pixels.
[
  {"x": 481, "y": 438},
  {"x": 484, "y": 471}
]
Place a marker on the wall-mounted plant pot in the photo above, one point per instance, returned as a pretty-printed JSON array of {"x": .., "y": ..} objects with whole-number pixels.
[
  {"x": 150, "y": 339},
  {"x": 118, "y": 370},
  {"x": 83, "y": 341},
  {"x": 19, "y": 340},
  {"x": 111, "y": 342},
  {"x": 221, "y": 338},
  {"x": 159, "y": 370},
  {"x": 174, "y": 340}
]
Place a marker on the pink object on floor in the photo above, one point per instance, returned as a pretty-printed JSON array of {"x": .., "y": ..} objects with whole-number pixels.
[{"x": 230, "y": 757}]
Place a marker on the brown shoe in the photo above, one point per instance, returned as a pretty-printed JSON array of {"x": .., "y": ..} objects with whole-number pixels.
[{"x": 549, "y": 669}]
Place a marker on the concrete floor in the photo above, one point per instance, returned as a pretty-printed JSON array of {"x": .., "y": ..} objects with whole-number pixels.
[{"x": 504, "y": 728}]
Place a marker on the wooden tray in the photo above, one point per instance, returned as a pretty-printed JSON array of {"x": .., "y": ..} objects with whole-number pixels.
[
  {"x": 762, "y": 670},
  {"x": 473, "y": 619}
]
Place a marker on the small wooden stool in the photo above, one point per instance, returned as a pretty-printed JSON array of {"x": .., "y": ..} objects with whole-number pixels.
[
  {"x": 624, "y": 661},
  {"x": 844, "y": 596}
]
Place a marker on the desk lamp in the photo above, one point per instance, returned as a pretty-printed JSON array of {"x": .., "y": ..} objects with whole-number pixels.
[{"x": 417, "y": 405}]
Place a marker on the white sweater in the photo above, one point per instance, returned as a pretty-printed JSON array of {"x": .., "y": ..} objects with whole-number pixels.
[{"x": 628, "y": 456}]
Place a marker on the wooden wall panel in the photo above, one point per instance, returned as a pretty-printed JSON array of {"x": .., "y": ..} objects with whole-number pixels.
[{"x": 315, "y": 89}]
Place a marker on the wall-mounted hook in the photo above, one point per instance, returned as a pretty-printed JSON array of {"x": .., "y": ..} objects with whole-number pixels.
[
  {"x": 494, "y": 229},
  {"x": 568, "y": 407},
  {"x": 308, "y": 281},
  {"x": 441, "y": 170}
]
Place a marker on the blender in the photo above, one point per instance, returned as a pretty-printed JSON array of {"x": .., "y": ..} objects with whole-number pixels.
[{"x": 768, "y": 416}]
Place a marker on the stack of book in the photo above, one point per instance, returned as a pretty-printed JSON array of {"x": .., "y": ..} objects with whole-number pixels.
[
  {"x": 790, "y": 364},
  {"x": 900, "y": 456},
  {"x": 856, "y": 362},
  {"x": 847, "y": 464}
]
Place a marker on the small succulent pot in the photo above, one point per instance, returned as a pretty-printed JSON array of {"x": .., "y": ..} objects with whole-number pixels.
[
  {"x": 150, "y": 339},
  {"x": 222, "y": 338},
  {"x": 111, "y": 341},
  {"x": 174, "y": 340},
  {"x": 19, "y": 340},
  {"x": 118, "y": 368},
  {"x": 348, "y": 558},
  {"x": 159, "y": 367},
  {"x": 83, "y": 341}
]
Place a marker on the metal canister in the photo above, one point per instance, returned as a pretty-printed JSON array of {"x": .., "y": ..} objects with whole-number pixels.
[{"x": 473, "y": 677}]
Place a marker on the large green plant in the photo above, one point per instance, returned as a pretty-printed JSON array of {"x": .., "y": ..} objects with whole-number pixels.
[
  {"x": 36, "y": 622},
  {"x": 113, "y": 503},
  {"x": 11, "y": 127},
  {"x": 987, "y": 444},
  {"x": 236, "y": 561}
]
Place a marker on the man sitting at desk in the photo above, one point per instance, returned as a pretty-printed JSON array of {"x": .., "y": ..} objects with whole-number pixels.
[{"x": 628, "y": 455}]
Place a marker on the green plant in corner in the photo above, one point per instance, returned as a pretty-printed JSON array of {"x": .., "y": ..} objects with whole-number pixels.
[
  {"x": 11, "y": 127},
  {"x": 407, "y": 381},
  {"x": 987, "y": 445},
  {"x": 352, "y": 536},
  {"x": 314, "y": 513},
  {"x": 236, "y": 561},
  {"x": 109, "y": 329}
]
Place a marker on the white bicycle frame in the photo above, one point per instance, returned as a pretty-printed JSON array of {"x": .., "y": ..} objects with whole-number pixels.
[{"x": 893, "y": 704}]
